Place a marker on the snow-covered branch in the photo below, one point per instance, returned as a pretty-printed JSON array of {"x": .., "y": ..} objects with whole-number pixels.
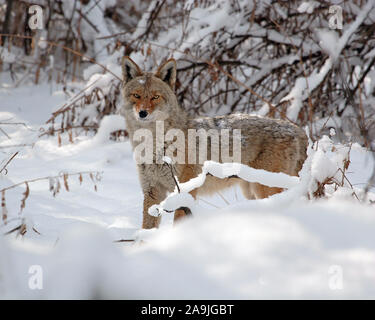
[
  {"x": 304, "y": 86},
  {"x": 221, "y": 170}
]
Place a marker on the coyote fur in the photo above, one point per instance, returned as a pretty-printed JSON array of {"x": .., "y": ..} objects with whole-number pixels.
[{"x": 269, "y": 144}]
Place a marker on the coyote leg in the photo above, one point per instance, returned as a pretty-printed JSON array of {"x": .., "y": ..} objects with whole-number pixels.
[
  {"x": 151, "y": 197},
  {"x": 186, "y": 175},
  {"x": 183, "y": 212}
]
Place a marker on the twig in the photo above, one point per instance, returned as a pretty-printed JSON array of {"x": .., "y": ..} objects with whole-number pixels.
[
  {"x": 351, "y": 186},
  {"x": 66, "y": 106},
  {"x": 3, "y": 131},
  {"x": 10, "y": 159},
  {"x": 16, "y": 145},
  {"x": 173, "y": 176},
  {"x": 211, "y": 204},
  {"x": 47, "y": 178},
  {"x": 87, "y": 20},
  {"x": 124, "y": 240}
]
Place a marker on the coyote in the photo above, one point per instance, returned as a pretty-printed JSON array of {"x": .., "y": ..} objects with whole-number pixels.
[{"x": 269, "y": 144}]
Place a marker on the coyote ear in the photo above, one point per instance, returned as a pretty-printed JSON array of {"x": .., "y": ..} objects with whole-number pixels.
[
  {"x": 167, "y": 72},
  {"x": 130, "y": 69}
]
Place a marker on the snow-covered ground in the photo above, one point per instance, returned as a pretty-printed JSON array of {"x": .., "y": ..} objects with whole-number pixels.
[{"x": 283, "y": 247}]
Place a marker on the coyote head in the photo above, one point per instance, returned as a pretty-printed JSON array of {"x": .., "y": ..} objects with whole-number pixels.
[{"x": 149, "y": 96}]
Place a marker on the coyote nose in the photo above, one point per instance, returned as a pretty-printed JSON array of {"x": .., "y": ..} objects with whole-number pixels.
[{"x": 143, "y": 114}]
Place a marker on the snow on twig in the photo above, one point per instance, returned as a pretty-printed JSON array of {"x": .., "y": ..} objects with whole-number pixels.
[{"x": 303, "y": 87}]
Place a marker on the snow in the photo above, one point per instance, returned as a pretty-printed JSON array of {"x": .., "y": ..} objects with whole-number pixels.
[
  {"x": 303, "y": 87},
  {"x": 322, "y": 166},
  {"x": 167, "y": 160},
  {"x": 308, "y": 6},
  {"x": 328, "y": 42},
  {"x": 7, "y": 56},
  {"x": 261, "y": 254},
  {"x": 109, "y": 124}
]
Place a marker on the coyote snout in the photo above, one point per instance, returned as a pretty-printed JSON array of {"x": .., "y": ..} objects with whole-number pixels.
[
  {"x": 143, "y": 114},
  {"x": 269, "y": 144}
]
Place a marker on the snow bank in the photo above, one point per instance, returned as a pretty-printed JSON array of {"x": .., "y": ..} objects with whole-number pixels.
[{"x": 323, "y": 250}]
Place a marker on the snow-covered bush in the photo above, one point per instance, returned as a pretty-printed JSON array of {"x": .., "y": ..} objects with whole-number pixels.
[
  {"x": 273, "y": 58},
  {"x": 280, "y": 59}
]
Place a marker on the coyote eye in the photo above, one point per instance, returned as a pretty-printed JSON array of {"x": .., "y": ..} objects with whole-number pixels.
[
  {"x": 155, "y": 97},
  {"x": 137, "y": 96}
]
